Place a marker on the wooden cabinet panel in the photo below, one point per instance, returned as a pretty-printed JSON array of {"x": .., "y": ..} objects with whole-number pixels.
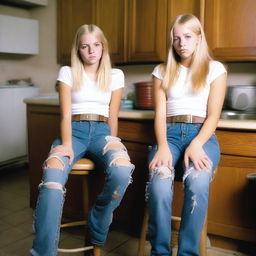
[
  {"x": 229, "y": 27},
  {"x": 237, "y": 143},
  {"x": 176, "y": 8},
  {"x": 136, "y": 131},
  {"x": 71, "y": 15},
  {"x": 229, "y": 205},
  {"x": 43, "y": 127},
  {"x": 147, "y": 30},
  {"x": 110, "y": 16}
]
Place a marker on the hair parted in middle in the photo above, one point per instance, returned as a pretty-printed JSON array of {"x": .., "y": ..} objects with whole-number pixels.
[
  {"x": 77, "y": 64},
  {"x": 199, "y": 67}
]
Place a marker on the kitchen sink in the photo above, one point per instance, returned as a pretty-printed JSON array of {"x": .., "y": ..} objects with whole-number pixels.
[{"x": 237, "y": 115}]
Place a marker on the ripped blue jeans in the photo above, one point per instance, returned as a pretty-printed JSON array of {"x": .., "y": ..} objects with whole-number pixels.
[
  {"x": 87, "y": 137},
  {"x": 159, "y": 193}
]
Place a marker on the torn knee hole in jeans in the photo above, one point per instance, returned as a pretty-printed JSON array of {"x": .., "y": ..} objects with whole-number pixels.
[
  {"x": 194, "y": 203},
  {"x": 195, "y": 173},
  {"x": 164, "y": 172},
  {"x": 54, "y": 161},
  {"x": 120, "y": 156},
  {"x": 52, "y": 185}
]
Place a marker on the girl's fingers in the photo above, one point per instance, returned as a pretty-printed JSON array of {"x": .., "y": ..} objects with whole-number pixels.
[{"x": 186, "y": 161}]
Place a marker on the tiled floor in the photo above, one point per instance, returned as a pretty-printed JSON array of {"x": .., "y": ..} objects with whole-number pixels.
[{"x": 16, "y": 218}]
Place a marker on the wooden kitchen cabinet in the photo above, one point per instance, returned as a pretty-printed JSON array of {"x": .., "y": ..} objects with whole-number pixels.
[
  {"x": 230, "y": 208},
  {"x": 230, "y": 29},
  {"x": 131, "y": 27},
  {"x": 147, "y": 30},
  {"x": 136, "y": 29},
  {"x": 175, "y": 8},
  {"x": 71, "y": 14},
  {"x": 111, "y": 17}
]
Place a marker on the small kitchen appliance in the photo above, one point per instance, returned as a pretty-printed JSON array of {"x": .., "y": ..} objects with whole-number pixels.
[{"x": 241, "y": 97}]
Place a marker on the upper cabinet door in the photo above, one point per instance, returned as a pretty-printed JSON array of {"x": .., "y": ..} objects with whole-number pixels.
[
  {"x": 230, "y": 29},
  {"x": 110, "y": 16},
  {"x": 71, "y": 15},
  {"x": 147, "y": 30},
  {"x": 176, "y": 8}
]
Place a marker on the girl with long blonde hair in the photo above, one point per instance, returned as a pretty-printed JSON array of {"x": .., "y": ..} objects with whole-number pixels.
[
  {"x": 189, "y": 91},
  {"x": 90, "y": 93}
]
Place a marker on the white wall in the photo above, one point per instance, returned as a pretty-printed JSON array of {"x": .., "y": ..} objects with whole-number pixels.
[{"x": 42, "y": 68}]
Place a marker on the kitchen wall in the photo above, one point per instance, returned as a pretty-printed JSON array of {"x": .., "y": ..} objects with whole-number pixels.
[{"x": 43, "y": 68}]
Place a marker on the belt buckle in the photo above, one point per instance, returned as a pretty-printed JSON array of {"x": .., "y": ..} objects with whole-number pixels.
[
  {"x": 183, "y": 119},
  {"x": 189, "y": 119}
]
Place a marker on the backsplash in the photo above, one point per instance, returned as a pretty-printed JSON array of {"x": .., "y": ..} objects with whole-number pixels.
[
  {"x": 241, "y": 73},
  {"x": 134, "y": 74}
]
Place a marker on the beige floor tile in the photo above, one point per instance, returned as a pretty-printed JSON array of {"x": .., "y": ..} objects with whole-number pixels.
[
  {"x": 4, "y": 211},
  {"x": 19, "y": 217},
  {"x": 128, "y": 248},
  {"x": 18, "y": 248},
  {"x": 10, "y": 236},
  {"x": 114, "y": 240},
  {"x": 26, "y": 227},
  {"x": 4, "y": 226}
]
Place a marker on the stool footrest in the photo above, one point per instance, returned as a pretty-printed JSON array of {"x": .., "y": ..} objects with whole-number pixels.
[
  {"x": 82, "y": 249},
  {"x": 73, "y": 224},
  {"x": 175, "y": 218}
]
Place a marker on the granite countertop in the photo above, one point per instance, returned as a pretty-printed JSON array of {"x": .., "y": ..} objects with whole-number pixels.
[{"x": 147, "y": 114}]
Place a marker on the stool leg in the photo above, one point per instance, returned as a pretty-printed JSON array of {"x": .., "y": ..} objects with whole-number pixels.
[
  {"x": 86, "y": 210},
  {"x": 143, "y": 234},
  {"x": 203, "y": 239}
]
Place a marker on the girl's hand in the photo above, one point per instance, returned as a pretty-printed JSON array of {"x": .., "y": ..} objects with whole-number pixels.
[
  {"x": 63, "y": 150},
  {"x": 196, "y": 154},
  {"x": 163, "y": 157}
]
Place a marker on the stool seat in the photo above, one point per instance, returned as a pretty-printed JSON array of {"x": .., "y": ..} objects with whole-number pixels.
[
  {"x": 82, "y": 167},
  {"x": 83, "y": 164}
]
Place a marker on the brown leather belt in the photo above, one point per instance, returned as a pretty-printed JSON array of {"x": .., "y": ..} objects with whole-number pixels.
[
  {"x": 89, "y": 117},
  {"x": 185, "y": 119}
]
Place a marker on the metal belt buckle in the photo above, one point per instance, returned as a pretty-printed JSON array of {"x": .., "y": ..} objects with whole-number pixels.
[
  {"x": 183, "y": 119},
  {"x": 189, "y": 119}
]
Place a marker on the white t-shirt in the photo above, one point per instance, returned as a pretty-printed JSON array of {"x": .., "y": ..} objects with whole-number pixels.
[
  {"x": 89, "y": 99},
  {"x": 181, "y": 100}
]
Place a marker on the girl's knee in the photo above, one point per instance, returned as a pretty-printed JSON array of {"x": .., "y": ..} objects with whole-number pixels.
[
  {"x": 159, "y": 189},
  {"x": 197, "y": 181},
  {"x": 121, "y": 174}
]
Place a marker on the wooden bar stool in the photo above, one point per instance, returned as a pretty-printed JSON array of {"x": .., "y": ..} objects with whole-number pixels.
[
  {"x": 142, "y": 240},
  {"x": 81, "y": 167}
]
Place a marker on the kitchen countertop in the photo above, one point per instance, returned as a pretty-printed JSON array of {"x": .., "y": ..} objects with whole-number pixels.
[{"x": 147, "y": 114}]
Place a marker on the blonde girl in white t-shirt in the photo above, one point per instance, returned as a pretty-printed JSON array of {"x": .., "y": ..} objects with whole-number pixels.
[
  {"x": 90, "y": 93},
  {"x": 189, "y": 91}
]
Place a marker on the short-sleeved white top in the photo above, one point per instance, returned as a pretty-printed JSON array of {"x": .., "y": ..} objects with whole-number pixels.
[
  {"x": 181, "y": 100},
  {"x": 89, "y": 99}
]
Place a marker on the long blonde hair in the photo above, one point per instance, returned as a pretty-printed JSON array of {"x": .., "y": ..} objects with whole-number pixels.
[
  {"x": 77, "y": 65},
  {"x": 199, "y": 67}
]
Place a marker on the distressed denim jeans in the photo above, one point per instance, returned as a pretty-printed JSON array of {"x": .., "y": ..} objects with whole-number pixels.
[
  {"x": 87, "y": 137},
  {"x": 196, "y": 184}
]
